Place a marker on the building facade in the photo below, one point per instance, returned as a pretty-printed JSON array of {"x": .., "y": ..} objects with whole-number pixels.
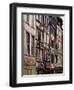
[
  {"x": 43, "y": 44},
  {"x": 29, "y": 30}
]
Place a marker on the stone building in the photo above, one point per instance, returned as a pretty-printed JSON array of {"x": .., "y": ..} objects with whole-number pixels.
[
  {"x": 42, "y": 40},
  {"x": 59, "y": 42},
  {"x": 29, "y": 31},
  {"x": 43, "y": 44}
]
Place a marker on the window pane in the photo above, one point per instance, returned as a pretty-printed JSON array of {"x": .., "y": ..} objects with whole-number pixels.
[
  {"x": 39, "y": 35},
  {"x": 32, "y": 21},
  {"x": 52, "y": 43},
  {"x": 28, "y": 42},
  {"x": 32, "y": 45},
  {"x": 27, "y": 18}
]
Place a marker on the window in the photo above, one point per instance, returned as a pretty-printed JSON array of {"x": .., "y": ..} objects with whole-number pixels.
[
  {"x": 39, "y": 35},
  {"x": 32, "y": 45},
  {"x": 28, "y": 42},
  {"x": 59, "y": 45},
  {"x": 56, "y": 46},
  {"x": 47, "y": 39},
  {"x": 39, "y": 18},
  {"x": 32, "y": 21},
  {"x": 60, "y": 33},
  {"x": 42, "y": 19},
  {"x": 45, "y": 20},
  {"x": 44, "y": 37},
  {"x": 52, "y": 43},
  {"x": 36, "y": 17},
  {"x": 57, "y": 30},
  {"x": 37, "y": 52},
  {"x": 44, "y": 55},
  {"x": 41, "y": 54},
  {"x": 27, "y": 19}
]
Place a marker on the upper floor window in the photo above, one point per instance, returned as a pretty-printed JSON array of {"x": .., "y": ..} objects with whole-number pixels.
[
  {"x": 41, "y": 54},
  {"x": 37, "y": 52},
  {"x": 39, "y": 35},
  {"x": 36, "y": 16},
  {"x": 52, "y": 43},
  {"x": 27, "y": 19},
  {"x": 60, "y": 45},
  {"x": 47, "y": 39},
  {"x": 28, "y": 42},
  {"x": 32, "y": 22},
  {"x": 39, "y": 17},
  {"x": 42, "y": 19},
  {"x": 32, "y": 45}
]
